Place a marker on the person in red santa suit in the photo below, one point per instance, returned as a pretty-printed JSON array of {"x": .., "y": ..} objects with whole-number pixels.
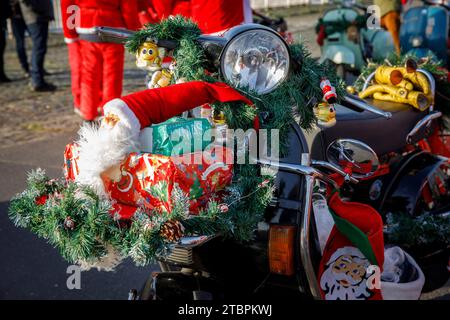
[
  {"x": 69, "y": 17},
  {"x": 153, "y": 11},
  {"x": 101, "y": 63},
  {"x": 215, "y": 17}
]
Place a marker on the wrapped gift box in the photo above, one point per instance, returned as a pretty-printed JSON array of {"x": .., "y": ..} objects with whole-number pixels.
[
  {"x": 163, "y": 138},
  {"x": 147, "y": 180}
]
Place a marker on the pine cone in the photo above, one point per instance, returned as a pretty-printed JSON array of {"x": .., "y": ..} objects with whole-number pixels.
[
  {"x": 172, "y": 230},
  {"x": 69, "y": 224}
]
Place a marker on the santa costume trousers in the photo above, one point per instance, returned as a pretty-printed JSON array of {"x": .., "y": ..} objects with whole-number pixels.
[
  {"x": 101, "y": 75},
  {"x": 75, "y": 71}
]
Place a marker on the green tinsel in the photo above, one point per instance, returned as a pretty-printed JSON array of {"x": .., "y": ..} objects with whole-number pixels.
[
  {"x": 426, "y": 231},
  {"x": 243, "y": 206}
]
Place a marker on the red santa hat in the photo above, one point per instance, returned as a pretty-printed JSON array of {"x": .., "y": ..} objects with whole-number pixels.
[{"x": 105, "y": 146}]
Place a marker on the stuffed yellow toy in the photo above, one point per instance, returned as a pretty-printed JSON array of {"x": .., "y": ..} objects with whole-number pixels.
[
  {"x": 149, "y": 56},
  {"x": 402, "y": 85},
  {"x": 325, "y": 114}
]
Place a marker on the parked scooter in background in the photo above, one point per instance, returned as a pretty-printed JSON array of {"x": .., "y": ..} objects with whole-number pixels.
[
  {"x": 346, "y": 41},
  {"x": 425, "y": 30}
]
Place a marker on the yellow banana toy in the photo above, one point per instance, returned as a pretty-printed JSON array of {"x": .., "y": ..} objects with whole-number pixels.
[
  {"x": 384, "y": 88},
  {"x": 414, "y": 98},
  {"x": 392, "y": 76},
  {"x": 418, "y": 79}
]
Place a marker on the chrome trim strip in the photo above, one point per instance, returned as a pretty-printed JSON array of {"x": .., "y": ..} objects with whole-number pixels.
[
  {"x": 367, "y": 107},
  {"x": 423, "y": 122},
  {"x": 305, "y": 250}
]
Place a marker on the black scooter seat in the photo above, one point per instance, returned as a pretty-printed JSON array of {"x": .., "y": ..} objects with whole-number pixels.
[{"x": 379, "y": 133}]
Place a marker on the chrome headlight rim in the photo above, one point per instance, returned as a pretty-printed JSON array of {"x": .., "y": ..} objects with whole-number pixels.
[{"x": 233, "y": 34}]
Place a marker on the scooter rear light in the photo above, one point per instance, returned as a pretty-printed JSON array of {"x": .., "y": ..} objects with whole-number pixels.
[{"x": 281, "y": 249}]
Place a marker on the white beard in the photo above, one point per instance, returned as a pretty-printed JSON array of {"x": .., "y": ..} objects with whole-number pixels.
[
  {"x": 100, "y": 148},
  {"x": 334, "y": 290}
]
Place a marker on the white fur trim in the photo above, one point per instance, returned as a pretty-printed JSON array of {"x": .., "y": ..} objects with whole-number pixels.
[
  {"x": 101, "y": 148},
  {"x": 108, "y": 262},
  {"x": 86, "y": 30},
  {"x": 70, "y": 40},
  {"x": 403, "y": 291}
]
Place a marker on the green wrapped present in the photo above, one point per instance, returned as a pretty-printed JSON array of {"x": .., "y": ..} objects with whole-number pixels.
[{"x": 176, "y": 136}]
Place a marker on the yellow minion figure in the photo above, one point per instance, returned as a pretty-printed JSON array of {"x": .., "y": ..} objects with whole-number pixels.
[
  {"x": 325, "y": 114},
  {"x": 149, "y": 56}
]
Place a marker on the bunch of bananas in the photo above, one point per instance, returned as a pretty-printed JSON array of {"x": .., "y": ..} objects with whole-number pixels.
[{"x": 400, "y": 84}]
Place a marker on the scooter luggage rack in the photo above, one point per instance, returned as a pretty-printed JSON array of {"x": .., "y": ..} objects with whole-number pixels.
[
  {"x": 182, "y": 252},
  {"x": 426, "y": 121},
  {"x": 424, "y": 72}
]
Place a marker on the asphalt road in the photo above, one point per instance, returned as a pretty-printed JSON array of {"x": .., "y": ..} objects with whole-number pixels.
[{"x": 29, "y": 267}]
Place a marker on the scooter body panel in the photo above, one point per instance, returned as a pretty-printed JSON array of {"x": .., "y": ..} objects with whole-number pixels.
[
  {"x": 339, "y": 54},
  {"x": 380, "y": 41},
  {"x": 425, "y": 27},
  {"x": 337, "y": 47}
]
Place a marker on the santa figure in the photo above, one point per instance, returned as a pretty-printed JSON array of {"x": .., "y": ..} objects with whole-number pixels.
[
  {"x": 101, "y": 64},
  {"x": 103, "y": 148}
]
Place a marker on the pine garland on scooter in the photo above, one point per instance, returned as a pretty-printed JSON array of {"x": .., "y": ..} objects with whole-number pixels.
[{"x": 86, "y": 229}]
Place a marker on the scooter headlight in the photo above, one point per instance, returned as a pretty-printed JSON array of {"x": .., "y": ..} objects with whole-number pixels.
[
  {"x": 417, "y": 41},
  {"x": 257, "y": 58}
]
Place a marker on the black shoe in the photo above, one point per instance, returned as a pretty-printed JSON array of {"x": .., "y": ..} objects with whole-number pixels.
[
  {"x": 4, "y": 79},
  {"x": 44, "y": 87}
]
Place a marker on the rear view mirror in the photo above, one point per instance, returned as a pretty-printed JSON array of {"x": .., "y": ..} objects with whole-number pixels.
[{"x": 354, "y": 154}]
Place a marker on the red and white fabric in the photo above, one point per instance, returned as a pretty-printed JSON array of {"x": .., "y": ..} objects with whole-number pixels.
[
  {"x": 68, "y": 14},
  {"x": 97, "y": 66},
  {"x": 118, "y": 136}
]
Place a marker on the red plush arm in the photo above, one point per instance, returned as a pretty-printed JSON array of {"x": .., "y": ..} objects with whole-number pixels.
[
  {"x": 158, "y": 105},
  {"x": 129, "y": 11}
]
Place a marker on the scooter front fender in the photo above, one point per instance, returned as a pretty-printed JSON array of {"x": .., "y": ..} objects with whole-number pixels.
[{"x": 339, "y": 54}]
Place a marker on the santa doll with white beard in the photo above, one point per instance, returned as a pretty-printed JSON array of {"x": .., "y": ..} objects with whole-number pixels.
[{"x": 102, "y": 148}]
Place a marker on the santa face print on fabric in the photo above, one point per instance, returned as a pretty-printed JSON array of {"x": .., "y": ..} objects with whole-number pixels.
[{"x": 345, "y": 276}]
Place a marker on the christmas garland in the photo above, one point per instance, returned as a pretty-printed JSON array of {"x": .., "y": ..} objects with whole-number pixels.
[
  {"x": 423, "y": 234},
  {"x": 74, "y": 219}
]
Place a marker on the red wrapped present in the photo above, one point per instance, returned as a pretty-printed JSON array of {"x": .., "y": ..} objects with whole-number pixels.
[
  {"x": 202, "y": 174},
  {"x": 146, "y": 180}
]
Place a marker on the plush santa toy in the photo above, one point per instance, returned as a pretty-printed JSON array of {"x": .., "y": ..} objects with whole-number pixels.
[
  {"x": 353, "y": 256},
  {"x": 102, "y": 148}
]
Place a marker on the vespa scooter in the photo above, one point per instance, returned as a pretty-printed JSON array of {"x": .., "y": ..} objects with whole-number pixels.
[
  {"x": 217, "y": 268},
  {"x": 425, "y": 30},
  {"x": 347, "y": 42}
]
